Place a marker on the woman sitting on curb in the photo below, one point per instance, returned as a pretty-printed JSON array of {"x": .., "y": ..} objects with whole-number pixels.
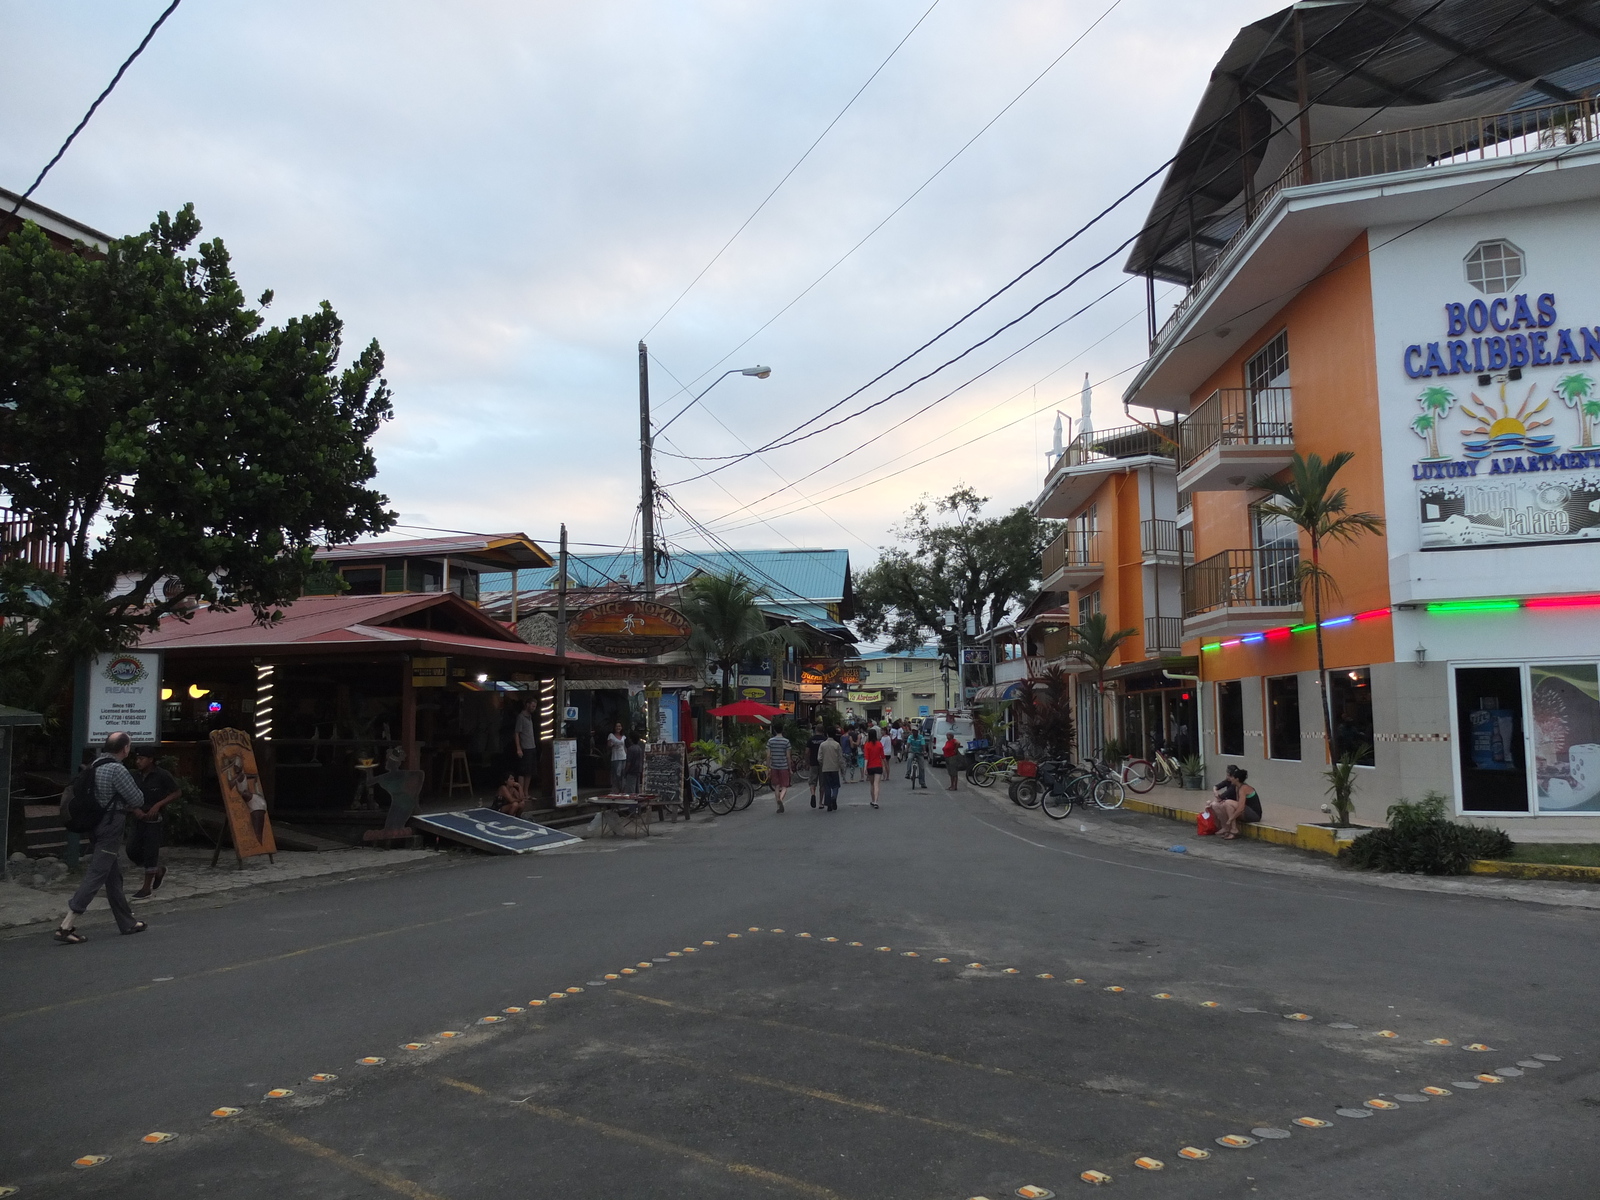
[{"x": 1235, "y": 802}]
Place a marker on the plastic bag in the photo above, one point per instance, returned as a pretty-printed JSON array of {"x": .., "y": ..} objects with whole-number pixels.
[{"x": 1205, "y": 825}]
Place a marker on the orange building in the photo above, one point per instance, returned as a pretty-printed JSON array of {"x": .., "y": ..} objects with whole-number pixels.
[{"x": 1393, "y": 272}]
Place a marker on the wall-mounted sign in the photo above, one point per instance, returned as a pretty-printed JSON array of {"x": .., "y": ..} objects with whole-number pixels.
[
  {"x": 818, "y": 671},
  {"x": 630, "y": 629},
  {"x": 124, "y": 694},
  {"x": 811, "y": 692},
  {"x": 565, "y": 756},
  {"x": 865, "y": 697},
  {"x": 429, "y": 672},
  {"x": 975, "y": 654}
]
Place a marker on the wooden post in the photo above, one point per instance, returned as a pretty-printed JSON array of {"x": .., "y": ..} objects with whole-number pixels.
[{"x": 408, "y": 716}]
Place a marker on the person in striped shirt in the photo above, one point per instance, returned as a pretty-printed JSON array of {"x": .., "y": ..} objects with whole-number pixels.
[{"x": 778, "y": 765}]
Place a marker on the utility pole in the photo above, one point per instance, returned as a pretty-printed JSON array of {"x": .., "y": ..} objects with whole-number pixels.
[
  {"x": 561, "y": 636},
  {"x": 647, "y": 483}
]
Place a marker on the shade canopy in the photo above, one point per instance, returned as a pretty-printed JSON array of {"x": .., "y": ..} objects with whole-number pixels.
[{"x": 745, "y": 708}]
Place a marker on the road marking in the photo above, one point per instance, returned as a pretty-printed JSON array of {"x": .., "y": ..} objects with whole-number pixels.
[
  {"x": 795, "y": 1089},
  {"x": 254, "y": 962},
  {"x": 377, "y": 1175},
  {"x": 660, "y": 1145}
]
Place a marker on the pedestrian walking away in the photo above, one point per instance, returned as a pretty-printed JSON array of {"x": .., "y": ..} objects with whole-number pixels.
[
  {"x": 872, "y": 752},
  {"x": 951, "y": 752},
  {"x": 145, "y": 835},
  {"x": 114, "y": 793},
  {"x": 812, "y": 769},
  {"x": 830, "y": 764},
  {"x": 778, "y": 757}
]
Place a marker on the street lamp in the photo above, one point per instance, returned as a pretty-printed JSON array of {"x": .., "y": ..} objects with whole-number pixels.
[{"x": 756, "y": 372}]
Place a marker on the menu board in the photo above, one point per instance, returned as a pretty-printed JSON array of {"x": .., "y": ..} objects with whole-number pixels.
[
  {"x": 663, "y": 771},
  {"x": 566, "y": 771}
]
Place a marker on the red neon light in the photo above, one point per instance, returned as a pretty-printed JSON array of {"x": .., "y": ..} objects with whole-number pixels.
[
  {"x": 1372, "y": 612},
  {"x": 1277, "y": 635},
  {"x": 1563, "y": 602}
]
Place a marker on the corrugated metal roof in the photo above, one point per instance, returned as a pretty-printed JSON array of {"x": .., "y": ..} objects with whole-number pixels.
[
  {"x": 513, "y": 547},
  {"x": 818, "y": 576},
  {"x": 928, "y": 652}
]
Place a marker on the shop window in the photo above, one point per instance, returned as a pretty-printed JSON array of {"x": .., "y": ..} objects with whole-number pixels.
[
  {"x": 1350, "y": 698},
  {"x": 363, "y": 581},
  {"x": 1230, "y": 717},
  {"x": 1566, "y": 736},
  {"x": 1489, "y": 739},
  {"x": 1283, "y": 717}
]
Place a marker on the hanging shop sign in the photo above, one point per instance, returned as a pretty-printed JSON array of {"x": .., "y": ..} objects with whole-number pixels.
[
  {"x": 975, "y": 654},
  {"x": 815, "y": 672},
  {"x": 865, "y": 697},
  {"x": 630, "y": 629}
]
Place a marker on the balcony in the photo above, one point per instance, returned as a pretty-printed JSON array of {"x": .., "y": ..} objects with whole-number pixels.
[
  {"x": 1085, "y": 461},
  {"x": 1468, "y": 139},
  {"x": 1072, "y": 560},
  {"x": 1165, "y": 543},
  {"x": 1242, "y": 591},
  {"x": 1162, "y": 635},
  {"x": 1234, "y": 435},
  {"x": 19, "y": 540}
]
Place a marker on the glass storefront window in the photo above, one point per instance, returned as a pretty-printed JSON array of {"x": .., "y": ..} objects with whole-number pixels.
[
  {"x": 1566, "y": 736},
  {"x": 1350, "y": 698},
  {"x": 1283, "y": 717},
  {"x": 1230, "y": 717},
  {"x": 1489, "y": 739}
]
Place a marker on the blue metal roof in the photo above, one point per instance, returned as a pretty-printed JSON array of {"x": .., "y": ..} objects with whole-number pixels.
[
  {"x": 928, "y": 651},
  {"x": 813, "y": 577}
]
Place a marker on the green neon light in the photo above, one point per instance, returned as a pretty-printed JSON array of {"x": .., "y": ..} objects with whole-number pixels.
[
  {"x": 1301, "y": 628},
  {"x": 1212, "y": 646},
  {"x": 1450, "y": 606}
]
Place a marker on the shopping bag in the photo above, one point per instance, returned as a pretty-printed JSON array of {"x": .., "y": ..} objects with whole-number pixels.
[{"x": 1205, "y": 825}]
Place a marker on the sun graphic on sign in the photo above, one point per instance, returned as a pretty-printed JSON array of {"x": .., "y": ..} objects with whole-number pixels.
[{"x": 1500, "y": 429}]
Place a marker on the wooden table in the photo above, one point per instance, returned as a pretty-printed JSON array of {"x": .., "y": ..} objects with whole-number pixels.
[{"x": 629, "y": 811}]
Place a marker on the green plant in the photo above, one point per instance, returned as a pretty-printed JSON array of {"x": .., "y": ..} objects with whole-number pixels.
[
  {"x": 1095, "y": 644},
  {"x": 1341, "y": 779},
  {"x": 1422, "y": 840},
  {"x": 1193, "y": 767},
  {"x": 1113, "y": 751},
  {"x": 1044, "y": 715},
  {"x": 1309, "y": 499},
  {"x": 710, "y": 751}
]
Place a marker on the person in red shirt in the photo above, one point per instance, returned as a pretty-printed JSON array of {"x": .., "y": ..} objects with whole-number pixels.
[
  {"x": 872, "y": 751},
  {"x": 952, "y": 757}
]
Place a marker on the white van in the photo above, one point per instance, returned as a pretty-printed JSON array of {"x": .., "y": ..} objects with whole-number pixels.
[{"x": 944, "y": 725}]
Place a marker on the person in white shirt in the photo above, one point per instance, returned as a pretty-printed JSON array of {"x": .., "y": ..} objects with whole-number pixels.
[{"x": 617, "y": 743}]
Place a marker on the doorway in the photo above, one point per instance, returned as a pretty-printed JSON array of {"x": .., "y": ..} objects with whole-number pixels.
[{"x": 1490, "y": 739}]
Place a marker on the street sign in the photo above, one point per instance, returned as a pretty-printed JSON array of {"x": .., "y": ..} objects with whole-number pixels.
[
  {"x": 975, "y": 655},
  {"x": 630, "y": 629},
  {"x": 486, "y": 829}
]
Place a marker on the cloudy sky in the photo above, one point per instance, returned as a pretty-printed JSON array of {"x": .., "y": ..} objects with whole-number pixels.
[{"x": 508, "y": 195}]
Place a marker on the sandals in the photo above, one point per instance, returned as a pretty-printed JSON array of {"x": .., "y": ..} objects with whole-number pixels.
[
  {"x": 161, "y": 874},
  {"x": 70, "y": 937},
  {"x": 138, "y": 927}
]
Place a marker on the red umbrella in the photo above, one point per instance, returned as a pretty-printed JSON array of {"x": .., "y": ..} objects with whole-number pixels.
[{"x": 745, "y": 708}]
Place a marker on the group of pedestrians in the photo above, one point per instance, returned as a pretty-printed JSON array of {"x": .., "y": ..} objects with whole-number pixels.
[
  {"x": 118, "y": 797},
  {"x": 833, "y": 757}
]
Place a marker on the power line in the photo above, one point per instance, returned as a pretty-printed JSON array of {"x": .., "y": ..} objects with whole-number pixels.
[
  {"x": 837, "y": 117},
  {"x": 115, "y": 79},
  {"x": 920, "y": 187}
]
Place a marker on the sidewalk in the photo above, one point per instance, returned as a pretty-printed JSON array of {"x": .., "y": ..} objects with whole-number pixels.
[
  {"x": 189, "y": 874},
  {"x": 1159, "y": 835}
]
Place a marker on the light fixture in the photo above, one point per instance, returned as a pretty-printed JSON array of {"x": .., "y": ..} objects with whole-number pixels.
[
  {"x": 196, "y": 691},
  {"x": 166, "y": 693},
  {"x": 758, "y": 371},
  {"x": 1422, "y": 654},
  {"x": 483, "y": 678}
]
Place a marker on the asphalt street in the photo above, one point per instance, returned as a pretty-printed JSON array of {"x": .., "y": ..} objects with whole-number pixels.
[{"x": 942, "y": 998}]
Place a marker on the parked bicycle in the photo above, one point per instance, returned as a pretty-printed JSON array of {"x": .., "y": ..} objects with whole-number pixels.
[
  {"x": 989, "y": 765},
  {"x": 1164, "y": 767}
]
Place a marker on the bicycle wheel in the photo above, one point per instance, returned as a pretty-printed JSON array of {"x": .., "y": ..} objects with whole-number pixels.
[
  {"x": 1138, "y": 776},
  {"x": 721, "y": 799},
  {"x": 982, "y": 774},
  {"x": 1028, "y": 793},
  {"x": 744, "y": 792},
  {"x": 1159, "y": 772},
  {"x": 1057, "y": 802},
  {"x": 1109, "y": 793}
]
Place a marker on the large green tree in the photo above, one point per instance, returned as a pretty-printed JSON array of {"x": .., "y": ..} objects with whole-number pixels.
[
  {"x": 951, "y": 559},
  {"x": 178, "y": 448}
]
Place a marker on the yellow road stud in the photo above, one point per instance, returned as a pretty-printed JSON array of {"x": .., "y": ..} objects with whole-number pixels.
[
  {"x": 1149, "y": 1164},
  {"x": 1194, "y": 1153},
  {"x": 93, "y": 1160},
  {"x": 155, "y": 1139}
]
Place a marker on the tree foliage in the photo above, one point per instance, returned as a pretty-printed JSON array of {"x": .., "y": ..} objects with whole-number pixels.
[
  {"x": 951, "y": 560},
  {"x": 730, "y": 627},
  {"x": 1044, "y": 714},
  {"x": 178, "y": 449}
]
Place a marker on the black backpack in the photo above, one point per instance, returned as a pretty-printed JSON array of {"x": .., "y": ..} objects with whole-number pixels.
[{"x": 80, "y": 810}]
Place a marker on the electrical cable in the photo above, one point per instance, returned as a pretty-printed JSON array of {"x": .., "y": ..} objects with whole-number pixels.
[
  {"x": 98, "y": 100},
  {"x": 837, "y": 117}
]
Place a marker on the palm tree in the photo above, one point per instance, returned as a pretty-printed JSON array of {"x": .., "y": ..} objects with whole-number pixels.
[
  {"x": 1092, "y": 644},
  {"x": 1577, "y": 392},
  {"x": 1436, "y": 405},
  {"x": 1309, "y": 499},
  {"x": 730, "y": 627}
]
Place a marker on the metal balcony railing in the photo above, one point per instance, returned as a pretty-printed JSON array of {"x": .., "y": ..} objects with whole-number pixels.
[
  {"x": 1166, "y": 537},
  {"x": 1185, "y": 501},
  {"x": 1499, "y": 135},
  {"x": 1242, "y": 579},
  {"x": 1237, "y": 417},
  {"x": 1126, "y": 441},
  {"x": 1163, "y": 635},
  {"x": 1072, "y": 548}
]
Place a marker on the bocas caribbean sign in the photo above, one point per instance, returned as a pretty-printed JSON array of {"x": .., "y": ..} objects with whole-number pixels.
[{"x": 630, "y": 629}]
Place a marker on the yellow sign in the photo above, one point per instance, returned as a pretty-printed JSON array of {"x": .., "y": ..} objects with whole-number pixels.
[
  {"x": 865, "y": 697},
  {"x": 242, "y": 794},
  {"x": 428, "y": 672}
]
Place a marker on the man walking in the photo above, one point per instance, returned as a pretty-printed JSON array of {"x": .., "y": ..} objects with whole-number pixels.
[
  {"x": 116, "y": 794},
  {"x": 145, "y": 834},
  {"x": 830, "y": 764},
  {"x": 812, "y": 769},
  {"x": 778, "y": 757}
]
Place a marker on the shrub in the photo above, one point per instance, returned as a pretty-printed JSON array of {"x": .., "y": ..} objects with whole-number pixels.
[{"x": 1422, "y": 840}]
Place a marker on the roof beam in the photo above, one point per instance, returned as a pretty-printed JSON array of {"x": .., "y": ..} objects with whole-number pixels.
[
  {"x": 1393, "y": 89},
  {"x": 1564, "y": 14},
  {"x": 1506, "y": 70}
]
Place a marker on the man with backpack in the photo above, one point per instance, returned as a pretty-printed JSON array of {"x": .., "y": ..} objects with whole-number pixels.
[{"x": 97, "y": 804}]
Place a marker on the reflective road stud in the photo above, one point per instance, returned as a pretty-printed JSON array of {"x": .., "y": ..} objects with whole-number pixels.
[
  {"x": 1488, "y": 1079},
  {"x": 573, "y": 991},
  {"x": 1236, "y": 1141},
  {"x": 490, "y": 1020},
  {"x": 629, "y": 971},
  {"x": 513, "y": 1010},
  {"x": 1095, "y": 1177},
  {"x": 909, "y": 954},
  {"x": 1435, "y": 1091},
  {"x": 1387, "y": 1033},
  {"x": 325, "y": 1077},
  {"x": 885, "y": 949},
  {"x": 974, "y": 966},
  {"x": 1312, "y": 1122},
  {"x": 1194, "y": 1153},
  {"x": 278, "y": 1094},
  {"x": 1011, "y": 971},
  {"x": 372, "y": 1060},
  {"x": 226, "y": 1112},
  {"x": 1297, "y": 1016},
  {"x": 1380, "y": 1104},
  {"x": 1031, "y": 1191},
  {"x": 863, "y": 944},
  {"x": 935, "y": 960},
  {"x": 154, "y": 1139},
  {"x": 1149, "y": 1164},
  {"x": 1115, "y": 988},
  {"x": 1162, "y": 996},
  {"x": 1045, "y": 976},
  {"x": 1209, "y": 1004},
  {"x": 613, "y": 976},
  {"x": 1478, "y": 1048},
  {"x": 94, "y": 1160},
  {"x": 1077, "y": 981},
  {"x": 1437, "y": 1042}
]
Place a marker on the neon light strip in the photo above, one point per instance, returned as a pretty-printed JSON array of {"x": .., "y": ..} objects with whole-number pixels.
[
  {"x": 1455, "y": 606},
  {"x": 1283, "y": 631}
]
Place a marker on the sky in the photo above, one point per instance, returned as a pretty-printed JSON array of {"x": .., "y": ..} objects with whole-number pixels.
[{"x": 509, "y": 195}]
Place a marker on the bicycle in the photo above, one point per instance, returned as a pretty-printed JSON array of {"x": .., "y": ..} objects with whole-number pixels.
[
  {"x": 1137, "y": 775},
  {"x": 986, "y": 770},
  {"x": 1164, "y": 768}
]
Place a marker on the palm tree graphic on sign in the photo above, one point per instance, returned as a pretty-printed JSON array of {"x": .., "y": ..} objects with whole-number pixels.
[
  {"x": 1436, "y": 405},
  {"x": 1577, "y": 392}
]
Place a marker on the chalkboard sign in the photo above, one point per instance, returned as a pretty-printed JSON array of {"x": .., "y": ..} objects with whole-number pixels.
[{"x": 663, "y": 772}]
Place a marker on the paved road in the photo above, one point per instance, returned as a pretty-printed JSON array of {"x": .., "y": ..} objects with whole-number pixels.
[{"x": 697, "y": 1063}]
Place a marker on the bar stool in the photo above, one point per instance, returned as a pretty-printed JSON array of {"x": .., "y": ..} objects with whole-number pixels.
[{"x": 461, "y": 778}]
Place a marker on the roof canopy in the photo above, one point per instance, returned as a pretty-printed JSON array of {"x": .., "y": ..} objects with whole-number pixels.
[
  {"x": 486, "y": 551},
  {"x": 1371, "y": 66}
]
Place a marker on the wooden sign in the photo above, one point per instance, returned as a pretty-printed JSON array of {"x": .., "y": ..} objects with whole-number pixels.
[
  {"x": 242, "y": 794},
  {"x": 630, "y": 629}
]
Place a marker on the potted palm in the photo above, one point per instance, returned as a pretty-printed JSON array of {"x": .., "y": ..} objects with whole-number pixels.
[{"x": 1194, "y": 772}]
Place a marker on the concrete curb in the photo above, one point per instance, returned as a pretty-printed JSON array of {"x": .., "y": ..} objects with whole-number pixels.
[{"x": 1520, "y": 870}]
